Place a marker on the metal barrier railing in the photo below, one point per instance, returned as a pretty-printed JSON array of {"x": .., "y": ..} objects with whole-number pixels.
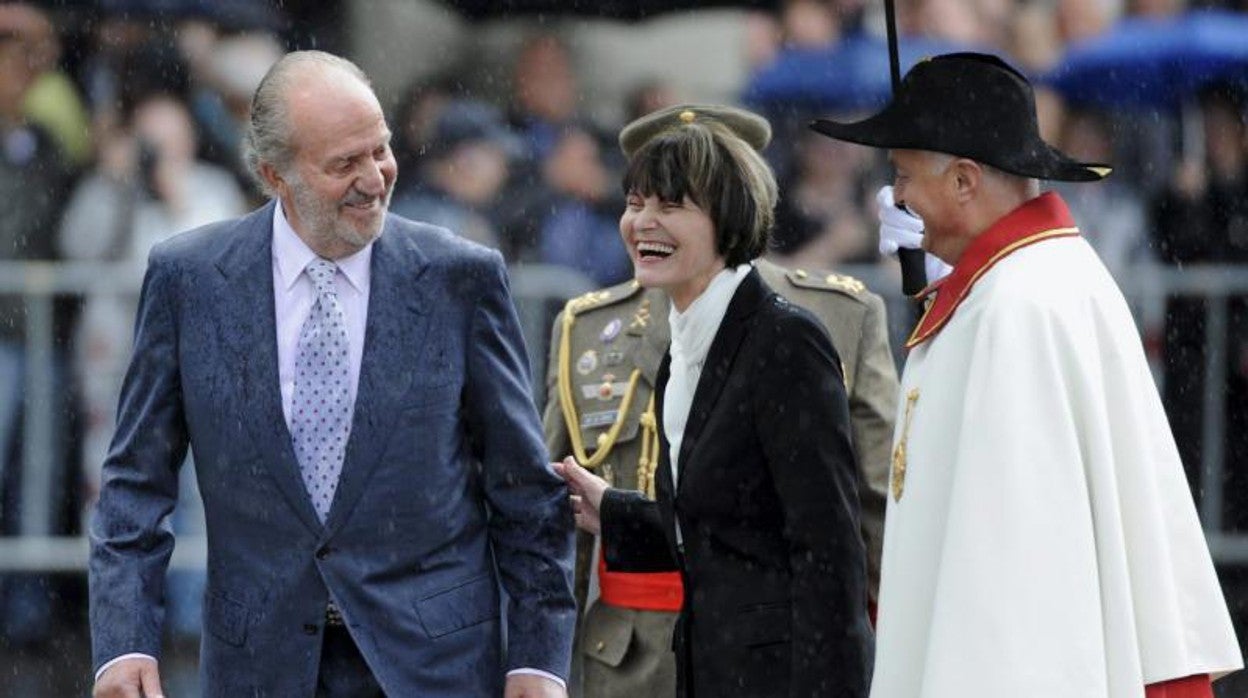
[
  {"x": 536, "y": 289},
  {"x": 1217, "y": 284}
]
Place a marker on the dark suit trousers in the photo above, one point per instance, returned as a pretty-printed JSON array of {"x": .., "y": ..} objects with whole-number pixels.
[{"x": 343, "y": 672}]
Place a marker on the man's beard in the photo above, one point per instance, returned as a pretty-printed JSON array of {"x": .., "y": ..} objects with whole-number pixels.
[{"x": 321, "y": 218}]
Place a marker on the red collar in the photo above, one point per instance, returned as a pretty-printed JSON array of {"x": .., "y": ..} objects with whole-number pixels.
[{"x": 1041, "y": 218}]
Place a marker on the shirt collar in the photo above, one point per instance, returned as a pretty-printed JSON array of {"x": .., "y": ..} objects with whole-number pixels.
[
  {"x": 293, "y": 255},
  {"x": 1042, "y": 218},
  {"x": 695, "y": 328}
]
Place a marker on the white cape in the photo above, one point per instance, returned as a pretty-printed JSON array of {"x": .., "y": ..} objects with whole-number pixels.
[{"x": 1045, "y": 544}]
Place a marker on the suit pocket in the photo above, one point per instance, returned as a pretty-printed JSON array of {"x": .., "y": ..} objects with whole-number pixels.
[
  {"x": 472, "y": 602},
  {"x": 226, "y": 619},
  {"x": 762, "y": 625}
]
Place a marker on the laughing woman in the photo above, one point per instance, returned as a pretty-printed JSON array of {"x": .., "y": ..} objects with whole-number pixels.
[{"x": 756, "y": 485}]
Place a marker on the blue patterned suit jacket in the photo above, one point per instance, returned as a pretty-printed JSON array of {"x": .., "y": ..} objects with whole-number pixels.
[{"x": 445, "y": 490}]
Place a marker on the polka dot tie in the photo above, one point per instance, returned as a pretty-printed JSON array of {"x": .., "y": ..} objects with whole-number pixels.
[{"x": 322, "y": 407}]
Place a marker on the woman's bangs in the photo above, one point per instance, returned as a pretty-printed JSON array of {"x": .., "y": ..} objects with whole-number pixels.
[{"x": 658, "y": 170}]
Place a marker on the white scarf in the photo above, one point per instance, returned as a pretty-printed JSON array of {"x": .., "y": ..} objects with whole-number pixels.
[{"x": 692, "y": 334}]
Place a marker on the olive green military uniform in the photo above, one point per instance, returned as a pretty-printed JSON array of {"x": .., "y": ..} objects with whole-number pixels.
[{"x": 615, "y": 340}]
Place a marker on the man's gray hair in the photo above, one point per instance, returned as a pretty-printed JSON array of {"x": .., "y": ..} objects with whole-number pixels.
[
  {"x": 939, "y": 162},
  {"x": 268, "y": 136}
]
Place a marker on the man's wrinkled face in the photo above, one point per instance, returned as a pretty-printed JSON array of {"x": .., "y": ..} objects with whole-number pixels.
[
  {"x": 339, "y": 183},
  {"x": 924, "y": 184}
]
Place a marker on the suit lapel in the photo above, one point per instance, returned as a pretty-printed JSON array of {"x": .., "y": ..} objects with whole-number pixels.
[
  {"x": 719, "y": 360},
  {"x": 249, "y": 326},
  {"x": 393, "y": 339}
]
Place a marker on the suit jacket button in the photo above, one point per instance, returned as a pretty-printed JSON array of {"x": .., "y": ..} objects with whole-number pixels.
[
  {"x": 324, "y": 552},
  {"x": 311, "y": 629}
]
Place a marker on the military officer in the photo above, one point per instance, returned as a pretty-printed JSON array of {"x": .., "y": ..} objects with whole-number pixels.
[{"x": 605, "y": 353}]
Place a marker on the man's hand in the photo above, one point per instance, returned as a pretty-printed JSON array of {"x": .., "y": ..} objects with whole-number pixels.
[
  {"x": 901, "y": 229},
  {"x": 130, "y": 678},
  {"x": 587, "y": 490},
  {"x": 898, "y": 227},
  {"x": 532, "y": 686}
]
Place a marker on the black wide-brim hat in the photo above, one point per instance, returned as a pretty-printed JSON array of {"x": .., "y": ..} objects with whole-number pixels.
[{"x": 970, "y": 105}]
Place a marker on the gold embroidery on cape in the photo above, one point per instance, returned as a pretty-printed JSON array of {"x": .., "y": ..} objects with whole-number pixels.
[{"x": 898, "y": 480}]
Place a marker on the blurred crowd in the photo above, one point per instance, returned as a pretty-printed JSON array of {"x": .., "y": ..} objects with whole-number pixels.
[{"x": 120, "y": 124}]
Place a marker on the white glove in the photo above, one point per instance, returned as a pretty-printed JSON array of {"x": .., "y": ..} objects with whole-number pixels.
[{"x": 898, "y": 227}]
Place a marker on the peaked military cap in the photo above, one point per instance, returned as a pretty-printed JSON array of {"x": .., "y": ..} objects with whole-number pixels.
[{"x": 751, "y": 127}]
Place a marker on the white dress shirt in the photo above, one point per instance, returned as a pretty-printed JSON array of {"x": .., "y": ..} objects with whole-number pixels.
[
  {"x": 294, "y": 294},
  {"x": 693, "y": 331}
]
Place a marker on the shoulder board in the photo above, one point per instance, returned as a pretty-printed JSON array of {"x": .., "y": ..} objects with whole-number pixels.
[
  {"x": 603, "y": 297},
  {"x": 823, "y": 281}
]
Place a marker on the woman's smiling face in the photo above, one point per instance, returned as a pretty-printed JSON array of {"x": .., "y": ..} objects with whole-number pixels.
[{"x": 672, "y": 245}]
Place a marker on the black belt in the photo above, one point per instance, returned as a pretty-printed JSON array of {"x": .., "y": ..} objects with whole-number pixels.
[{"x": 333, "y": 617}]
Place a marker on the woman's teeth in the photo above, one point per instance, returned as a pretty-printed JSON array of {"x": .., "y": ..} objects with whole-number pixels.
[{"x": 654, "y": 249}]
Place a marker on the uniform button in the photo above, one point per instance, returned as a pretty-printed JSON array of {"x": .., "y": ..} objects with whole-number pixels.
[
  {"x": 324, "y": 552},
  {"x": 311, "y": 629},
  {"x": 600, "y": 646}
]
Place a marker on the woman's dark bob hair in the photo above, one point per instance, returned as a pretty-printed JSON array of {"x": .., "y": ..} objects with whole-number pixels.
[{"x": 718, "y": 171}]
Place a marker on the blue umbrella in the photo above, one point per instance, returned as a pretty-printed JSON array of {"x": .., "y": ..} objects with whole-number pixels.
[
  {"x": 851, "y": 75},
  {"x": 1155, "y": 63}
]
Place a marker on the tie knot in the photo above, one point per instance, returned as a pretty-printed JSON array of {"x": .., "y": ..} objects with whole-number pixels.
[{"x": 321, "y": 271}]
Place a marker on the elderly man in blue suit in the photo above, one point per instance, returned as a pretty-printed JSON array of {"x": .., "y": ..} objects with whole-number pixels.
[{"x": 354, "y": 387}]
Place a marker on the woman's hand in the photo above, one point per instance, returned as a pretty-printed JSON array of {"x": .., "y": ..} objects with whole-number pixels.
[{"x": 587, "y": 490}]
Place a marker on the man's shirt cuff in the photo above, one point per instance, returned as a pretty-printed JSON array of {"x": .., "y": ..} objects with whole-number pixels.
[
  {"x": 539, "y": 672},
  {"x": 133, "y": 655}
]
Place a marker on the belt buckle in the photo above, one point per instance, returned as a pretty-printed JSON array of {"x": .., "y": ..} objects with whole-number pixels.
[{"x": 333, "y": 617}]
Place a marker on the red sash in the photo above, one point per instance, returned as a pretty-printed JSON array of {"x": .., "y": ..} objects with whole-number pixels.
[{"x": 642, "y": 591}]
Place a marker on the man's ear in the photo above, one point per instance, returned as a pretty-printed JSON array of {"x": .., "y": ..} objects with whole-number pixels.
[
  {"x": 967, "y": 177},
  {"x": 274, "y": 179}
]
